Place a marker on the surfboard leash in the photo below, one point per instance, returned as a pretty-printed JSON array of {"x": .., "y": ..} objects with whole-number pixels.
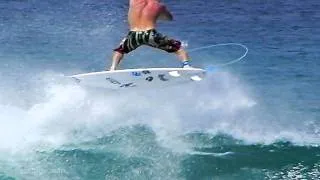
[{"x": 212, "y": 68}]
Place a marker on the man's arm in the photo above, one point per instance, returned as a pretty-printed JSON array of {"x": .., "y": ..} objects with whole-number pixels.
[{"x": 165, "y": 14}]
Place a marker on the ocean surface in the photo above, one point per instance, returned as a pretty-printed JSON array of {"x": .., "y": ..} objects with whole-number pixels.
[{"x": 255, "y": 119}]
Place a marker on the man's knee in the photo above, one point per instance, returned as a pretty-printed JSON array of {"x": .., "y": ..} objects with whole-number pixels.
[{"x": 173, "y": 46}]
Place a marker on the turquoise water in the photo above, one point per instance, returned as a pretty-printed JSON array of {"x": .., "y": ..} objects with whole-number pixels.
[{"x": 257, "y": 119}]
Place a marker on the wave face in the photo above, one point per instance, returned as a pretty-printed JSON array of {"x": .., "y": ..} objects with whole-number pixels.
[{"x": 258, "y": 119}]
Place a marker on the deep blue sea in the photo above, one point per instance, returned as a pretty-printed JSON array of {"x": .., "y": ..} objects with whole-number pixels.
[{"x": 255, "y": 119}]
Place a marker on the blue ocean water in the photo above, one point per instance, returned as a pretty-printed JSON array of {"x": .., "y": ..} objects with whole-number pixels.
[{"x": 257, "y": 119}]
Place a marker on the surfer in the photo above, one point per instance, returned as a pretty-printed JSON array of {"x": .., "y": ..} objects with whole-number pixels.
[{"x": 142, "y": 17}]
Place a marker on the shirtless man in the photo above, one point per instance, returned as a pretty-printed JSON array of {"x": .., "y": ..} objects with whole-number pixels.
[{"x": 142, "y": 17}]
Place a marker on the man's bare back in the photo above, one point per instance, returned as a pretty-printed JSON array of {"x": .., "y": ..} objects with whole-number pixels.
[{"x": 143, "y": 14}]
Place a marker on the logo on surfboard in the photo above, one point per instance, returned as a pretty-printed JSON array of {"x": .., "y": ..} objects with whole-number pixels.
[
  {"x": 149, "y": 78},
  {"x": 114, "y": 81}
]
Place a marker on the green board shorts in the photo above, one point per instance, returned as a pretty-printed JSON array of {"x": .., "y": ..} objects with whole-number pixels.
[{"x": 151, "y": 37}]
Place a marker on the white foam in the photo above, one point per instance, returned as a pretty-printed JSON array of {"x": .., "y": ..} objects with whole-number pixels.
[{"x": 67, "y": 113}]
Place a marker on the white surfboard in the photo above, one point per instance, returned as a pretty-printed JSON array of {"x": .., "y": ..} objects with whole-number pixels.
[{"x": 140, "y": 78}]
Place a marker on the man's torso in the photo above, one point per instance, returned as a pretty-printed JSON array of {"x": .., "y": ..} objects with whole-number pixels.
[{"x": 143, "y": 14}]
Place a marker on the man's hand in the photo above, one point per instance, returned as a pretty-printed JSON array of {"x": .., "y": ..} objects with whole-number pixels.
[{"x": 165, "y": 14}]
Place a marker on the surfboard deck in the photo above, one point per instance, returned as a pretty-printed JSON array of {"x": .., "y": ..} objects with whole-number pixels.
[{"x": 139, "y": 78}]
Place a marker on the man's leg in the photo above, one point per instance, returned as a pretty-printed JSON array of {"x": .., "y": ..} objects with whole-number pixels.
[
  {"x": 117, "y": 57},
  {"x": 183, "y": 56}
]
